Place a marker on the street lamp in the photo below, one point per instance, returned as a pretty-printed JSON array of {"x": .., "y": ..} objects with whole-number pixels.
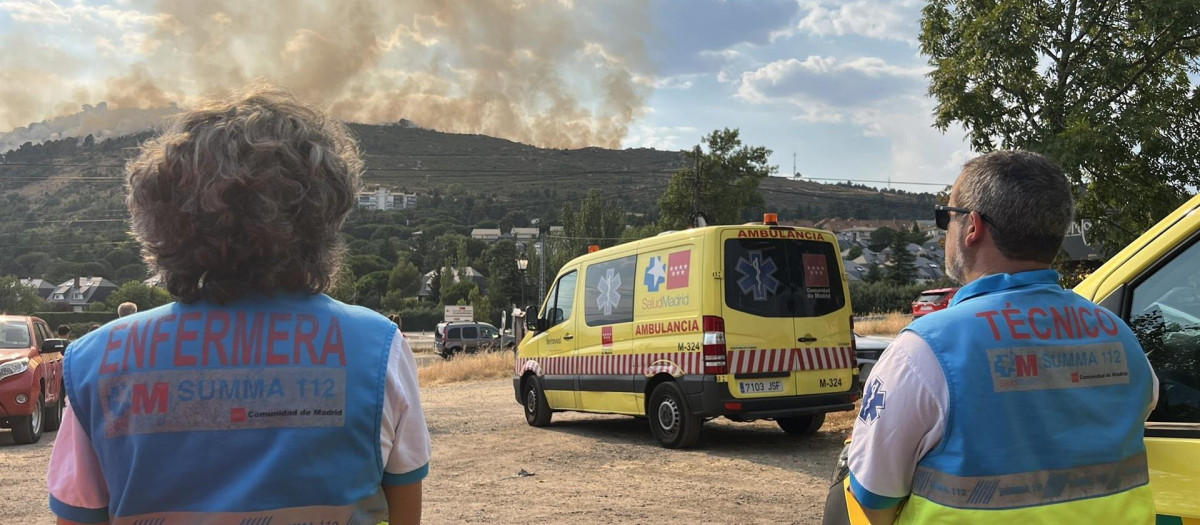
[{"x": 522, "y": 265}]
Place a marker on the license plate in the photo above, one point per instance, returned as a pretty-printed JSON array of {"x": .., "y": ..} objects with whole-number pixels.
[{"x": 760, "y": 387}]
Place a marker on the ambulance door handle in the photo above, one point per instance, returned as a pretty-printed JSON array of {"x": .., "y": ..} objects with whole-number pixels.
[
  {"x": 568, "y": 337},
  {"x": 807, "y": 339}
]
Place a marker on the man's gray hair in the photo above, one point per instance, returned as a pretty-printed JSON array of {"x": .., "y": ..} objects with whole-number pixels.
[
  {"x": 125, "y": 309},
  {"x": 1025, "y": 196}
]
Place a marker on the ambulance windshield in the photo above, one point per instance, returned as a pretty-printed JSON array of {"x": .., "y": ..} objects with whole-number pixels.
[{"x": 782, "y": 277}]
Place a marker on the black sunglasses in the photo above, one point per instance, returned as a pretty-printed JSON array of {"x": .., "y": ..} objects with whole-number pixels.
[{"x": 941, "y": 215}]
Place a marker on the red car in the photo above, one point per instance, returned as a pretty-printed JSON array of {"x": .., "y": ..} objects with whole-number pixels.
[
  {"x": 31, "y": 385},
  {"x": 932, "y": 301}
]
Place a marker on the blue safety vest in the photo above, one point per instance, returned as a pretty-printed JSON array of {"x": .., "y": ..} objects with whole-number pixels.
[
  {"x": 264, "y": 410},
  {"x": 1048, "y": 394}
]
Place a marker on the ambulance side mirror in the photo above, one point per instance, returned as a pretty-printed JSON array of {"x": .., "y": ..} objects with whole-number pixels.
[{"x": 531, "y": 320}]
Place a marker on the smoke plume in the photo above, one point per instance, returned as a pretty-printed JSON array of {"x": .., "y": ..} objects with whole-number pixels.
[{"x": 548, "y": 73}]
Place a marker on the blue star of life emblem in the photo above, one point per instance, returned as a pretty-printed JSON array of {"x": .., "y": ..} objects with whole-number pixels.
[
  {"x": 609, "y": 289},
  {"x": 758, "y": 275},
  {"x": 656, "y": 273},
  {"x": 873, "y": 402}
]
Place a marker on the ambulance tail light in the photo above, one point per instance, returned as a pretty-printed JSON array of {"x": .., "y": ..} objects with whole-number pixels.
[{"x": 715, "y": 356}]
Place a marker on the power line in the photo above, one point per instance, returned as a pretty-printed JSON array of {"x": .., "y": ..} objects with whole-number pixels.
[{"x": 878, "y": 181}]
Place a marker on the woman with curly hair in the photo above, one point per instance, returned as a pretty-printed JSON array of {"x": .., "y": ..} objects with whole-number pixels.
[{"x": 255, "y": 396}]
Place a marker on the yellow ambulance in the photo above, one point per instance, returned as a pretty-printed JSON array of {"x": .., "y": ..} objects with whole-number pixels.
[
  {"x": 745, "y": 322},
  {"x": 1154, "y": 284}
]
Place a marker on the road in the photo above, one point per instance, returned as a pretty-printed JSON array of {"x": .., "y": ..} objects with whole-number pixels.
[{"x": 586, "y": 468}]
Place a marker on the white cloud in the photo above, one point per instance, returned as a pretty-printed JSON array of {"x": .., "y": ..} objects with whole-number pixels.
[
  {"x": 675, "y": 82},
  {"x": 918, "y": 151},
  {"x": 50, "y": 13},
  {"x": 825, "y": 88},
  {"x": 36, "y": 12},
  {"x": 667, "y": 138},
  {"x": 877, "y": 19}
]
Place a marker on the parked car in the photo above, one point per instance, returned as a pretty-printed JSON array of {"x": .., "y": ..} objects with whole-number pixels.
[
  {"x": 470, "y": 337},
  {"x": 932, "y": 300},
  {"x": 31, "y": 385},
  {"x": 867, "y": 350}
]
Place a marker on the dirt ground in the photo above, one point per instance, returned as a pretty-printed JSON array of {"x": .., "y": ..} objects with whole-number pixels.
[{"x": 585, "y": 468}]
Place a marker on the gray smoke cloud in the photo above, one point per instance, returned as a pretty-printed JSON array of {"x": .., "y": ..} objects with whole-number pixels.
[{"x": 549, "y": 73}]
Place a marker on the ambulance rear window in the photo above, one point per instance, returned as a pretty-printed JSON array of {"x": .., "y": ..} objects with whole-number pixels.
[{"x": 782, "y": 277}]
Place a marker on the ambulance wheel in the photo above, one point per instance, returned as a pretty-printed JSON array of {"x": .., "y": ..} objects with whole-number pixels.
[
  {"x": 28, "y": 429},
  {"x": 52, "y": 415},
  {"x": 537, "y": 411},
  {"x": 801, "y": 425},
  {"x": 671, "y": 421}
]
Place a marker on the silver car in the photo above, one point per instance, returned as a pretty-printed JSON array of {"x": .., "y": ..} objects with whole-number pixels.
[
  {"x": 470, "y": 337},
  {"x": 868, "y": 348}
]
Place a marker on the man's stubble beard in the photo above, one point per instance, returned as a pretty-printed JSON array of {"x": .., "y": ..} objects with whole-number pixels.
[{"x": 956, "y": 266}]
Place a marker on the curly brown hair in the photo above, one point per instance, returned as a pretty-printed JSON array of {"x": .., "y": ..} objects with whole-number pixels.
[{"x": 245, "y": 195}]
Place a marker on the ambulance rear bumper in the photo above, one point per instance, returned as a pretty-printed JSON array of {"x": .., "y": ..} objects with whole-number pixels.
[{"x": 709, "y": 398}]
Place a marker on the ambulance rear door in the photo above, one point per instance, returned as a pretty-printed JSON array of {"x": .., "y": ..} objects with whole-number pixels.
[
  {"x": 821, "y": 312},
  {"x": 757, "y": 309}
]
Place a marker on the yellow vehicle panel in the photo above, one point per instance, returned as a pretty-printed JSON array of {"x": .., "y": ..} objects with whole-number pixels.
[{"x": 1173, "y": 448}]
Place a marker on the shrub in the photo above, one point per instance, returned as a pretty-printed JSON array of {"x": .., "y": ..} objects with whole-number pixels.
[{"x": 868, "y": 298}]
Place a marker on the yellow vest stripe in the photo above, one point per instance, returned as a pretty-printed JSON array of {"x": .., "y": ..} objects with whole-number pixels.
[
  {"x": 1132, "y": 507},
  {"x": 1026, "y": 489}
]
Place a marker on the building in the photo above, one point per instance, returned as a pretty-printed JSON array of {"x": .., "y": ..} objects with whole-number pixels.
[
  {"x": 468, "y": 273},
  {"x": 384, "y": 199},
  {"x": 485, "y": 234},
  {"x": 82, "y": 291},
  {"x": 43, "y": 288},
  {"x": 524, "y": 234}
]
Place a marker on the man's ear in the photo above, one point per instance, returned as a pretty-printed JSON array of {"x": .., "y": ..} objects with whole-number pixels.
[{"x": 976, "y": 227}]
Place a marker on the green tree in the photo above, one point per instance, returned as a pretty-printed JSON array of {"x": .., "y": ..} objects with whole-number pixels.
[
  {"x": 18, "y": 299},
  {"x": 405, "y": 279},
  {"x": 729, "y": 177},
  {"x": 1104, "y": 87},
  {"x": 882, "y": 237},
  {"x": 371, "y": 288},
  {"x": 365, "y": 264},
  {"x": 145, "y": 297},
  {"x": 504, "y": 279},
  {"x": 459, "y": 292},
  {"x": 856, "y": 251},
  {"x": 344, "y": 288},
  {"x": 903, "y": 270},
  {"x": 874, "y": 273},
  {"x": 596, "y": 220}
]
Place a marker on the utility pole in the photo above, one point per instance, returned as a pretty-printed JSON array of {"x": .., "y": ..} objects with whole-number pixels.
[
  {"x": 697, "y": 217},
  {"x": 542, "y": 265}
]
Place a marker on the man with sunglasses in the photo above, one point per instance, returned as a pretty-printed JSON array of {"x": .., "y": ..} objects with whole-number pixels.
[{"x": 1020, "y": 403}]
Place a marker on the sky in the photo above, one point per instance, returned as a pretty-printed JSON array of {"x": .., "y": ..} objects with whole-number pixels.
[{"x": 838, "y": 84}]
